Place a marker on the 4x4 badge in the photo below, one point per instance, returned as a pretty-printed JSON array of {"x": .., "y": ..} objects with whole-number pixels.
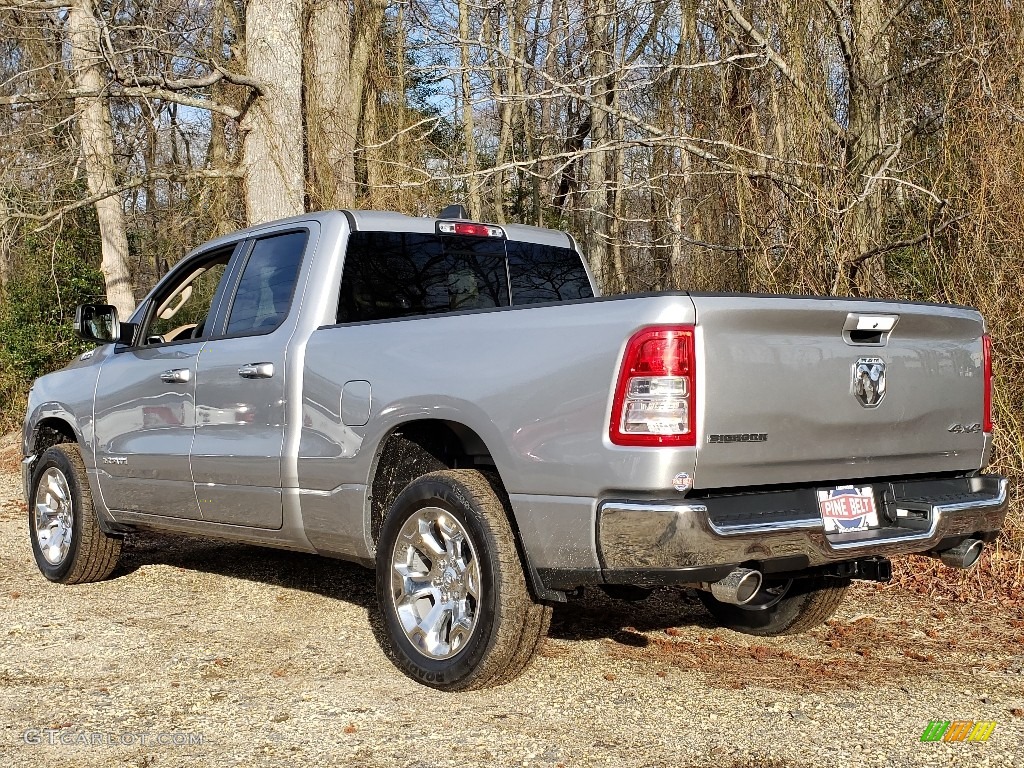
[
  {"x": 964, "y": 429},
  {"x": 869, "y": 381}
]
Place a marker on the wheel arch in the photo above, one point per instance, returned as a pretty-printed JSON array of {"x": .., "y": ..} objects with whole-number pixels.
[
  {"x": 53, "y": 430},
  {"x": 418, "y": 446},
  {"x": 414, "y": 448}
]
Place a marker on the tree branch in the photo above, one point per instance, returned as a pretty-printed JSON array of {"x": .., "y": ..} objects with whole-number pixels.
[
  {"x": 844, "y": 37},
  {"x": 216, "y": 74},
  {"x": 188, "y": 84},
  {"x": 116, "y": 90},
  {"x": 36, "y": 6},
  {"x": 689, "y": 144},
  {"x": 930, "y": 232},
  {"x": 47, "y": 219},
  {"x": 787, "y": 71}
]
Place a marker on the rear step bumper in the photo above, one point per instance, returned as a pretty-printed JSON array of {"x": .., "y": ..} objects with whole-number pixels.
[{"x": 649, "y": 543}]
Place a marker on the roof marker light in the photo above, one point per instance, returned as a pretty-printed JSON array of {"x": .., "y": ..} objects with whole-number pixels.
[{"x": 469, "y": 228}]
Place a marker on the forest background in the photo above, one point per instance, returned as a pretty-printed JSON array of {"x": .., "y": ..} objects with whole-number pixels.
[{"x": 836, "y": 147}]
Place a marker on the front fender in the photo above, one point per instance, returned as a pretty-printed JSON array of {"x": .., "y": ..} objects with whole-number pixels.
[
  {"x": 63, "y": 401},
  {"x": 66, "y": 396}
]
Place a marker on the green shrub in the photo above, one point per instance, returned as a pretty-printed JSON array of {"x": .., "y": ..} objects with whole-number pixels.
[{"x": 37, "y": 309}]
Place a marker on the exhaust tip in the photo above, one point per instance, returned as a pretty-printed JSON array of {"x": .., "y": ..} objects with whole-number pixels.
[
  {"x": 738, "y": 588},
  {"x": 963, "y": 555}
]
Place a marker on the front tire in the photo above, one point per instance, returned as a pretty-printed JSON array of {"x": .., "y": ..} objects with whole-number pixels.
[
  {"x": 67, "y": 542},
  {"x": 458, "y": 614},
  {"x": 781, "y": 606}
]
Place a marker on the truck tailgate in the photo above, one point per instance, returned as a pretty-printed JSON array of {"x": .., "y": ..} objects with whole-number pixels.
[{"x": 805, "y": 390}]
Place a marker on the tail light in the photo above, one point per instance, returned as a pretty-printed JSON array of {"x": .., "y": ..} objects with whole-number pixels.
[
  {"x": 986, "y": 346},
  {"x": 654, "y": 395}
]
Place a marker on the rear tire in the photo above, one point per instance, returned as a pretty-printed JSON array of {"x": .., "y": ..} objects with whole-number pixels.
[
  {"x": 457, "y": 611},
  {"x": 781, "y": 607},
  {"x": 67, "y": 542}
]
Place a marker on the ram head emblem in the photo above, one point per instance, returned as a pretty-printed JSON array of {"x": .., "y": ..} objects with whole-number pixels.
[{"x": 869, "y": 381}]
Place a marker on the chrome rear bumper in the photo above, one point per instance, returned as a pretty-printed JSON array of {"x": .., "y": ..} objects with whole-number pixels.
[{"x": 635, "y": 537}]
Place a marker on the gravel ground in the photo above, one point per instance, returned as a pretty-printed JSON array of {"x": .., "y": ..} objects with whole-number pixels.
[{"x": 269, "y": 658}]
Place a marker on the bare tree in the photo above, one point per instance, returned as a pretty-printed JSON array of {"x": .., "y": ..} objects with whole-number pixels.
[
  {"x": 598, "y": 21},
  {"x": 468, "y": 119},
  {"x": 339, "y": 42},
  {"x": 272, "y": 126},
  {"x": 94, "y": 128}
]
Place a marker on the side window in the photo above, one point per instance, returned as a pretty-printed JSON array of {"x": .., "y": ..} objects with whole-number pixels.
[
  {"x": 183, "y": 306},
  {"x": 264, "y": 293},
  {"x": 540, "y": 273},
  {"x": 404, "y": 274}
]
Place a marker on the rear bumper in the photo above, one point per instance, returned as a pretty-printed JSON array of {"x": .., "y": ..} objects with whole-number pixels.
[{"x": 700, "y": 539}]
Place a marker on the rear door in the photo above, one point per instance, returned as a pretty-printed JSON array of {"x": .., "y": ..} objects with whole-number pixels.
[
  {"x": 241, "y": 389},
  {"x": 806, "y": 390}
]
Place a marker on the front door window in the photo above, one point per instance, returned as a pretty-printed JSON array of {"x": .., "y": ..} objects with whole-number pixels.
[{"x": 181, "y": 312}]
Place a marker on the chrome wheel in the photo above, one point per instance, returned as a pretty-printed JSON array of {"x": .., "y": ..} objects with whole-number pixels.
[
  {"x": 435, "y": 583},
  {"x": 54, "y": 516},
  {"x": 770, "y": 593}
]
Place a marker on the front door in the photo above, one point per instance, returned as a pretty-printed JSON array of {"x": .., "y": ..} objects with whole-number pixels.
[
  {"x": 241, "y": 390},
  {"x": 145, "y": 397}
]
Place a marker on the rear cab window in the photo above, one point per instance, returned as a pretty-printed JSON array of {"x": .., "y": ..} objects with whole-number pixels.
[
  {"x": 541, "y": 273},
  {"x": 390, "y": 275}
]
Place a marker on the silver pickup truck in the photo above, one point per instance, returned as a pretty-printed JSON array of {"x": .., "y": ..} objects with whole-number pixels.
[{"x": 452, "y": 404}]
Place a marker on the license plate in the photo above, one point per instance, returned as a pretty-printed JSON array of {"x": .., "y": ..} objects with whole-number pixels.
[{"x": 848, "y": 508}]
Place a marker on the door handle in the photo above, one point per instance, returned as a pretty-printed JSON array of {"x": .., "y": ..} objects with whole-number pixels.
[
  {"x": 256, "y": 371},
  {"x": 176, "y": 376}
]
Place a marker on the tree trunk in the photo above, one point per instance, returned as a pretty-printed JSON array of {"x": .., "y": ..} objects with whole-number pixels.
[
  {"x": 547, "y": 132},
  {"x": 468, "y": 130},
  {"x": 369, "y": 20},
  {"x": 501, "y": 82},
  {"x": 370, "y": 127},
  {"x": 337, "y": 54},
  {"x": 518, "y": 115},
  {"x": 618, "y": 204},
  {"x": 153, "y": 221},
  {"x": 218, "y": 160},
  {"x": 865, "y": 223},
  {"x": 402, "y": 150},
  {"x": 596, "y": 235},
  {"x": 97, "y": 139},
  {"x": 222, "y": 192},
  {"x": 6, "y": 236},
  {"x": 676, "y": 263},
  {"x": 272, "y": 153},
  {"x": 330, "y": 141}
]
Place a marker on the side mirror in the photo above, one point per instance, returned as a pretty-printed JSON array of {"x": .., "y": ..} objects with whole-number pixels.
[{"x": 98, "y": 323}]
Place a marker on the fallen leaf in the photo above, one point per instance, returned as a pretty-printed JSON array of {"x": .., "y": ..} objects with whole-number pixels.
[{"x": 910, "y": 653}]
